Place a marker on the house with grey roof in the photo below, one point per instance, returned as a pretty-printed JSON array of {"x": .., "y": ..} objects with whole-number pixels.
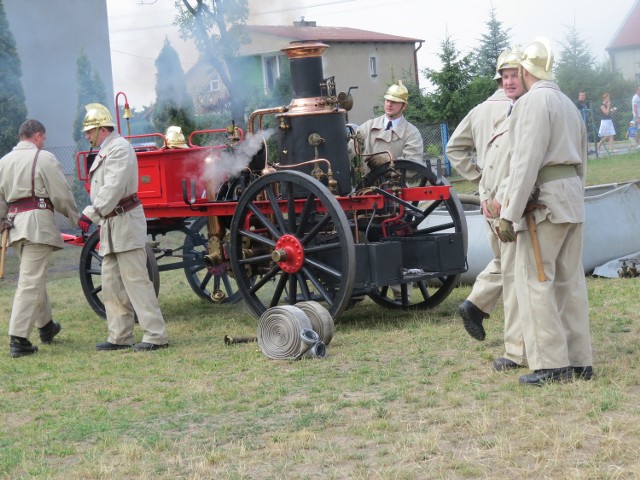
[{"x": 363, "y": 61}]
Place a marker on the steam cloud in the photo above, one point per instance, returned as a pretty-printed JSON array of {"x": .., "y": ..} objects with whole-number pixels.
[{"x": 226, "y": 164}]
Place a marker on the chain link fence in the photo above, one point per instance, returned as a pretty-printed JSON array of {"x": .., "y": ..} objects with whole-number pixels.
[
  {"x": 67, "y": 158},
  {"x": 621, "y": 118},
  {"x": 435, "y": 137}
]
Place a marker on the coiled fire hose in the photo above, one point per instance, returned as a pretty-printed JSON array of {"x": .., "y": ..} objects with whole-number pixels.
[
  {"x": 286, "y": 333},
  {"x": 321, "y": 319}
]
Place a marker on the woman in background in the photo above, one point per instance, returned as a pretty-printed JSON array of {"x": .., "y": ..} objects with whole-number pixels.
[{"x": 607, "y": 130}]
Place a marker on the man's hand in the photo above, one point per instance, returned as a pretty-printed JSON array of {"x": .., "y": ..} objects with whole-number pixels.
[
  {"x": 84, "y": 223},
  {"x": 505, "y": 230},
  {"x": 378, "y": 159},
  {"x": 491, "y": 209}
]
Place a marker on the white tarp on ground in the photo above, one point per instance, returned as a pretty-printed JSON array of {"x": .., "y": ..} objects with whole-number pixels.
[
  {"x": 611, "y": 228},
  {"x": 613, "y": 268}
]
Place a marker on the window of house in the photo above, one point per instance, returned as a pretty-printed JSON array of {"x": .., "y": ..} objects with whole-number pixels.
[
  {"x": 214, "y": 84},
  {"x": 373, "y": 66},
  {"x": 271, "y": 71}
]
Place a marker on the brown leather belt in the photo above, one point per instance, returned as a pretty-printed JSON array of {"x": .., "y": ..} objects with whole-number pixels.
[
  {"x": 124, "y": 205},
  {"x": 30, "y": 203}
]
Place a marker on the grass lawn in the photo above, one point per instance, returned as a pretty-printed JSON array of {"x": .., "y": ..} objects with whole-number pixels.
[{"x": 399, "y": 396}]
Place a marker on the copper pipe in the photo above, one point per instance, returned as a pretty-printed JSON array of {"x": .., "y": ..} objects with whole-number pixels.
[{"x": 262, "y": 112}]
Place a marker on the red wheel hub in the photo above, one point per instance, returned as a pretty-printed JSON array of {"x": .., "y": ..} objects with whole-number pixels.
[{"x": 289, "y": 253}]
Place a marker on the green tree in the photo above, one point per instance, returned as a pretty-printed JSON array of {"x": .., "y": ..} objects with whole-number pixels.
[
  {"x": 575, "y": 65},
  {"x": 13, "y": 110},
  {"x": 217, "y": 27},
  {"x": 173, "y": 105},
  {"x": 91, "y": 89},
  {"x": 496, "y": 39},
  {"x": 456, "y": 91}
]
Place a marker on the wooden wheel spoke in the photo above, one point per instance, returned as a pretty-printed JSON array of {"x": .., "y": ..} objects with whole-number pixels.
[
  {"x": 258, "y": 238},
  {"x": 263, "y": 281},
  {"x": 322, "y": 267},
  {"x": 280, "y": 287},
  {"x": 310, "y": 235},
  {"x": 304, "y": 288},
  {"x": 265, "y": 221},
  {"x": 320, "y": 288},
  {"x": 325, "y": 247},
  {"x": 293, "y": 290},
  {"x": 309, "y": 205},
  {"x": 275, "y": 207}
]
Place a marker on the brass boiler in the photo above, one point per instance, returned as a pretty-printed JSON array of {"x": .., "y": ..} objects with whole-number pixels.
[{"x": 314, "y": 125}]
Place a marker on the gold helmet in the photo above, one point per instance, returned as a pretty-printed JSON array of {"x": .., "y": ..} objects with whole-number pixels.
[
  {"x": 537, "y": 59},
  {"x": 507, "y": 59},
  {"x": 97, "y": 116},
  {"x": 397, "y": 93},
  {"x": 175, "y": 138},
  {"x": 503, "y": 54}
]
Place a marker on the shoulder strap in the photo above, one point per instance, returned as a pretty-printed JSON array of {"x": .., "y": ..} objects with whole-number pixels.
[{"x": 33, "y": 175}]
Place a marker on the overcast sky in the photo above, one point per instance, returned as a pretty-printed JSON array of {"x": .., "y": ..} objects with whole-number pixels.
[{"x": 138, "y": 27}]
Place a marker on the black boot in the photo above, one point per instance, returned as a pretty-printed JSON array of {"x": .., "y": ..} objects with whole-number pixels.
[
  {"x": 472, "y": 318},
  {"x": 19, "y": 347},
  {"x": 49, "y": 331}
]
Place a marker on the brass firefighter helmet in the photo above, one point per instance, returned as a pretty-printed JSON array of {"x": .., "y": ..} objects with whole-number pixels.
[
  {"x": 537, "y": 59},
  {"x": 175, "y": 138},
  {"x": 397, "y": 93},
  {"x": 503, "y": 54},
  {"x": 508, "y": 59},
  {"x": 97, "y": 116}
]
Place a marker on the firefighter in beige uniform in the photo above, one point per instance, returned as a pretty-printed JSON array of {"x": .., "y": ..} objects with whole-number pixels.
[
  {"x": 494, "y": 177},
  {"x": 391, "y": 134},
  {"x": 391, "y": 137},
  {"x": 546, "y": 179},
  {"x": 470, "y": 139},
  {"x": 123, "y": 234},
  {"x": 30, "y": 189}
]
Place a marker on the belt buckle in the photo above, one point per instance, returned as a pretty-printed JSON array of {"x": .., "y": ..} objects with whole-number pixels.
[
  {"x": 118, "y": 210},
  {"x": 42, "y": 204}
]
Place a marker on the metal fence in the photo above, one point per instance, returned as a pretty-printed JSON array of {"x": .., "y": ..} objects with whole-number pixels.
[
  {"x": 67, "y": 158},
  {"x": 435, "y": 137}
]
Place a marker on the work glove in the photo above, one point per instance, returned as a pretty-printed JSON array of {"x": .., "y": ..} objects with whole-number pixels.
[
  {"x": 505, "y": 231},
  {"x": 376, "y": 160},
  {"x": 84, "y": 223}
]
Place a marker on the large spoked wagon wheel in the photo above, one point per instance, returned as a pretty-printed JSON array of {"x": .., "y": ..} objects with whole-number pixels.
[
  {"x": 91, "y": 273},
  {"x": 211, "y": 283},
  {"x": 291, "y": 242},
  {"x": 441, "y": 216}
]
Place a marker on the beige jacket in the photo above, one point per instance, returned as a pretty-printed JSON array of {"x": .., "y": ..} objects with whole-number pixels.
[
  {"x": 495, "y": 171},
  {"x": 547, "y": 130},
  {"x": 113, "y": 176},
  {"x": 36, "y": 226},
  {"x": 404, "y": 141},
  {"x": 471, "y": 137}
]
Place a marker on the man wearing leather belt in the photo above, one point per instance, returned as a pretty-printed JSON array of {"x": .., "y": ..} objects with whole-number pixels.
[
  {"x": 548, "y": 160},
  {"x": 32, "y": 185},
  {"x": 127, "y": 289},
  {"x": 470, "y": 139}
]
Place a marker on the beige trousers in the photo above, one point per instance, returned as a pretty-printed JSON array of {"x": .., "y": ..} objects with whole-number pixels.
[
  {"x": 487, "y": 287},
  {"x": 495, "y": 280},
  {"x": 514, "y": 347},
  {"x": 555, "y": 313},
  {"x": 129, "y": 292},
  {"x": 31, "y": 303}
]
